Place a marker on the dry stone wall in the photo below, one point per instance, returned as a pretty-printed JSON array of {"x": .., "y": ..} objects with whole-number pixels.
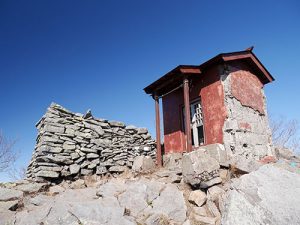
[{"x": 71, "y": 144}]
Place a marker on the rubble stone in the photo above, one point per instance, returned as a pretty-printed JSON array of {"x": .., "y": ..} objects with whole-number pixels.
[
  {"x": 198, "y": 168},
  {"x": 214, "y": 192},
  {"x": 69, "y": 141},
  {"x": 74, "y": 169},
  {"x": 197, "y": 197},
  {"x": 143, "y": 164}
]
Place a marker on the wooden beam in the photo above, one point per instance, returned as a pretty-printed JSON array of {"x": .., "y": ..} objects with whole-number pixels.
[
  {"x": 157, "y": 123},
  {"x": 186, "y": 94}
]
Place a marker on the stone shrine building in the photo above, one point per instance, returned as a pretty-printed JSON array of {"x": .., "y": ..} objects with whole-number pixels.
[{"x": 224, "y": 98}]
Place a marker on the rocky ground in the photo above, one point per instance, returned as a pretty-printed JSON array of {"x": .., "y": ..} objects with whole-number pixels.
[{"x": 171, "y": 195}]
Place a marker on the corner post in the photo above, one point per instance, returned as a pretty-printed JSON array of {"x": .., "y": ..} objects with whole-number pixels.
[
  {"x": 157, "y": 123},
  {"x": 186, "y": 94}
]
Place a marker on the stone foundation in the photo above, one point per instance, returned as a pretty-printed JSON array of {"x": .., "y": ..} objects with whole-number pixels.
[{"x": 71, "y": 144}]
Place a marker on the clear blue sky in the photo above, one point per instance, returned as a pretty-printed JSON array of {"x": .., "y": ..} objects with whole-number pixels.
[{"x": 101, "y": 54}]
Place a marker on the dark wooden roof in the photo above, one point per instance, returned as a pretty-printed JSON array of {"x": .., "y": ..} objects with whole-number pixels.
[{"x": 174, "y": 77}]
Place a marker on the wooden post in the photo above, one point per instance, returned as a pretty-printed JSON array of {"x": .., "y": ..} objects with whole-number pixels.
[
  {"x": 186, "y": 94},
  {"x": 158, "y": 143}
]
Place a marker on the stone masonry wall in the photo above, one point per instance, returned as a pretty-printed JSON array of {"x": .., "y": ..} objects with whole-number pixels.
[
  {"x": 71, "y": 144},
  {"x": 246, "y": 129}
]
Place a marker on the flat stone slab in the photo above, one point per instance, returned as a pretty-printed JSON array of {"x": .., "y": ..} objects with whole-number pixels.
[
  {"x": 7, "y": 194},
  {"x": 31, "y": 187}
]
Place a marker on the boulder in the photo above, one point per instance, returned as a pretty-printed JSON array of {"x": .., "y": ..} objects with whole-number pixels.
[
  {"x": 265, "y": 196},
  {"x": 7, "y": 194},
  {"x": 197, "y": 197},
  {"x": 200, "y": 169},
  {"x": 172, "y": 160},
  {"x": 218, "y": 152},
  {"x": 134, "y": 199},
  {"x": 243, "y": 165},
  {"x": 170, "y": 203},
  {"x": 143, "y": 164}
]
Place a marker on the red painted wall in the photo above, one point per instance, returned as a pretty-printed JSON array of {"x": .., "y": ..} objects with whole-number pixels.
[
  {"x": 207, "y": 86},
  {"x": 173, "y": 133},
  {"x": 246, "y": 87}
]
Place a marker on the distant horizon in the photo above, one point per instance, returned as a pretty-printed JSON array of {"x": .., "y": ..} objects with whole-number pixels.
[{"x": 100, "y": 55}]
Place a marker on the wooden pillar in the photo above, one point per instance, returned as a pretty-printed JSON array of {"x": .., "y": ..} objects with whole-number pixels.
[
  {"x": 186, "y": 94},
  {"x": 157, "y": 123}
]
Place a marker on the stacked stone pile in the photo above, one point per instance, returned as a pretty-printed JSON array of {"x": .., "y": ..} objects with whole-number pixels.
[{"x": 71, "y": 144}]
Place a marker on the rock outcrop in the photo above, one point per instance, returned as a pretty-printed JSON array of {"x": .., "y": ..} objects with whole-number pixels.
[
  {"x": 265, "y": 196},
  {"x": 269, "y": 195},
  {"x": 71, "y": 144}
]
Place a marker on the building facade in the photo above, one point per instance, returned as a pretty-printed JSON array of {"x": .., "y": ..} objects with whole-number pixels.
[{"x": 224, "y": 98}]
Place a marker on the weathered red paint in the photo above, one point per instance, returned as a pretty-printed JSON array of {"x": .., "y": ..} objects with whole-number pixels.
[
  {"x": 268, "y": 159},
  {"x": 247, "y": 88},
  {"x": 214, "y": 111},
  {"x": 174, "y": 140},
  {"x": 209, "y": 88},
  {"x": 245, "y": 126}
]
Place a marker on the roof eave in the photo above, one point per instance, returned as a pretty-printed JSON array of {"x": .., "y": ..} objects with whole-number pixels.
[
  {"x": 179, "y": 70},
  {"x": 249, "y": 54}
]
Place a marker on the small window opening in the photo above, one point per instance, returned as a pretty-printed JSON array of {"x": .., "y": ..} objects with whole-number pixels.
[{"x": 197, "y": 128}]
